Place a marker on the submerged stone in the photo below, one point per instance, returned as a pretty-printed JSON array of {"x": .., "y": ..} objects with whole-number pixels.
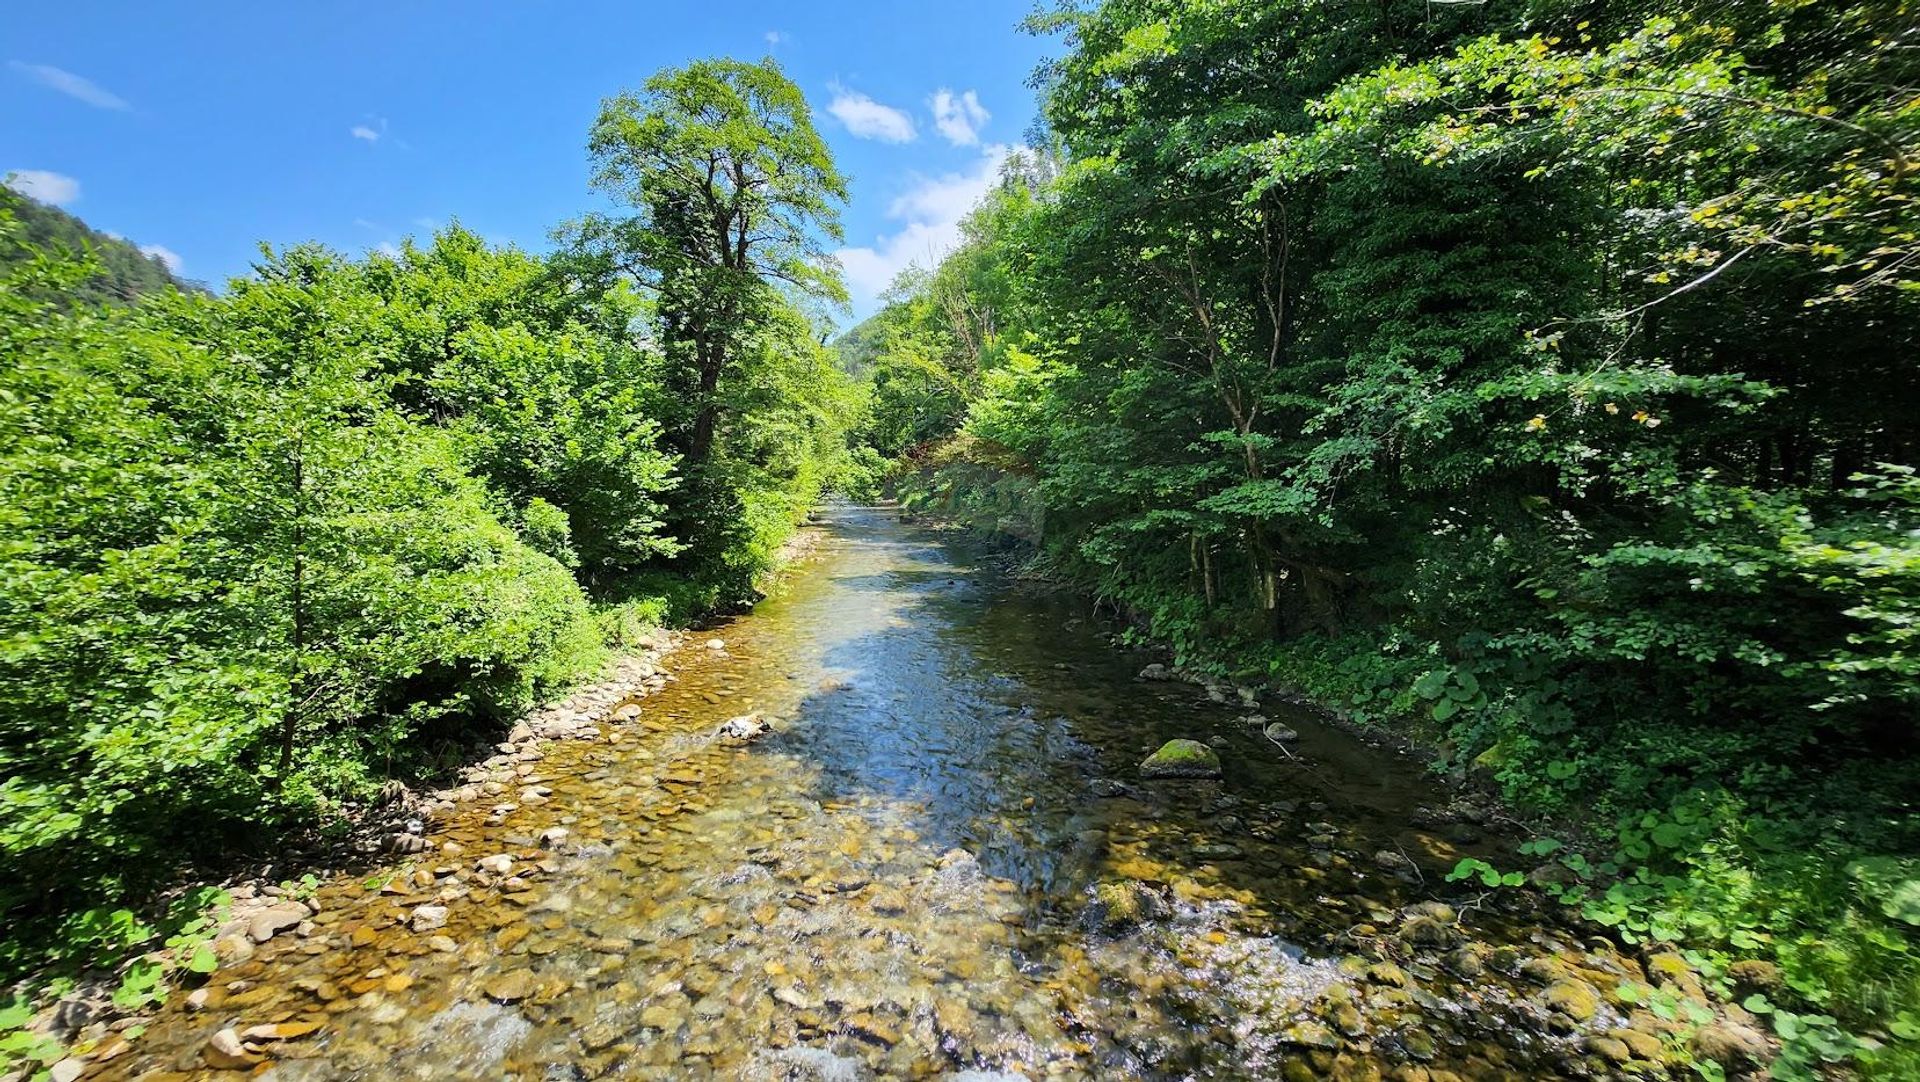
[{"x": 510, "y": 987}]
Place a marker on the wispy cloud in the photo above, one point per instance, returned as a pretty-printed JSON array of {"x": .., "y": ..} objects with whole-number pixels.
[
  {"x": 959, "y": 116},
  {"x": 54, "y": 189},
  {"x": 73, "y": 86},
  {"x": 368, "y": 132},
  {"x": 775, "y": 38},
  {"x": 931, "y": 211},
  {"x": 869, "y": 119},
  {"x": 165, "y": 255}
]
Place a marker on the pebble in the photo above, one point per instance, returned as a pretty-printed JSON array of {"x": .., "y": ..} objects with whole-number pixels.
[{"x": 279, "y": 1031}]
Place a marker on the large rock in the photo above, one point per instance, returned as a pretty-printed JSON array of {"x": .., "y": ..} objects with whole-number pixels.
[
  {"x": 1733, "y": 1046},
  {"x": 743, "y": 728},
  {"x": 1753, "y": 975},
  {"x": 1572, "y": 997},
  {"x": 1429, "y": 924},
  {"x": 1182, "y": 759},
  {"x": 275, "y": 919}
]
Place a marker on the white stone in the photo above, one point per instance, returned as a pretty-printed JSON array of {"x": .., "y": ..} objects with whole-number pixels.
[{"x": 428, "y": 918}]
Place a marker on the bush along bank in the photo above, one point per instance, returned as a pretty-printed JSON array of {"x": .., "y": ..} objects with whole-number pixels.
[{"x": 1766, "y": 935}]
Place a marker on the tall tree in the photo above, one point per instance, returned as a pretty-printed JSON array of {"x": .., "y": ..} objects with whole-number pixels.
[{"x": 734, "y": 196}]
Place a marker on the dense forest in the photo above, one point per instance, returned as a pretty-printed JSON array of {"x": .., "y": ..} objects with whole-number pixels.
[
  {"x": 266, "y": 549},
  {"x": 1535, "y": 378}
]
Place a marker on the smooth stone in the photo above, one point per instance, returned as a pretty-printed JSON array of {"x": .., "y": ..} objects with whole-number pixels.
[
  {"x": 224, "y": 1052},
  {"x": 275, "y": 919},
  {"x": 1732, "y": 1045},
  {"x": 509, "y": 987},
  {"x": 279, "y": 1031},
  {"x": 427, "y": 918}
]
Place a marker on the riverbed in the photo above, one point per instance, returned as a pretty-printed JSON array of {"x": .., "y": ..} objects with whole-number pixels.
[{"x": 937, "y": 860}]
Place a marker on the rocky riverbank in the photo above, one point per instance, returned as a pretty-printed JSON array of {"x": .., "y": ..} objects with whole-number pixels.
[
  {"x": 1603, "y": 1007},
  {"x": 276, "y": 900}
]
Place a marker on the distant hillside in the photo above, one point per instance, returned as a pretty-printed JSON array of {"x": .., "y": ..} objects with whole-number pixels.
[
  {"x": 857, "y": 349},
  {"x": 126, "y": 272}
]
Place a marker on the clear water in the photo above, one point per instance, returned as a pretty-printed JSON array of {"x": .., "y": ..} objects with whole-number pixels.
[{"x": 894, "y": 881}]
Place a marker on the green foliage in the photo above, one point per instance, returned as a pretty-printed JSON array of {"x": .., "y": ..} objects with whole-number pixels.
[
  {"x": 1534, "y": 376},
  {"x": 733, "y": 199},
  {"x": 176, "y": 946},
  {"x": 236, "y": 575},
  {"x": 260, "y": 551}
]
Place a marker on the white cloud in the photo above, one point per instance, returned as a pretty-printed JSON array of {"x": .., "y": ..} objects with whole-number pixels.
[
  {"x": 931, "y": 211},
  {"x": 869, "y": 119},
  {"x": 361, "y": 131},
  {"x": 389, "y": 249},
  {"x": 54, "y": 189},
  {"x": 165, "y": 255},
  {"x": 775, "y": 38},
  {"x": 959, "y": 116},
  {"x": 73, "y": 86}
]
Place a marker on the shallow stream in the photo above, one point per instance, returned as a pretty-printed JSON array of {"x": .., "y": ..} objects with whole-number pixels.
[{"x": 897, "y": 880}]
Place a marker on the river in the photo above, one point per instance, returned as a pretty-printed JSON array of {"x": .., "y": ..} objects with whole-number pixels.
[{"x": 897, "y": 880}]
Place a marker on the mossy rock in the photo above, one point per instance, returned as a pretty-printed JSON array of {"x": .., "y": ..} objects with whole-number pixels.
[
  {"x": 1574, "y": 998},
  {"x": 1182, "y": 759},
  {"x": 1117, "y": 907}
]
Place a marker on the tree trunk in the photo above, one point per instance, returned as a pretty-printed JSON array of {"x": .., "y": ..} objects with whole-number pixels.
[{"x": 296, "y": 695}]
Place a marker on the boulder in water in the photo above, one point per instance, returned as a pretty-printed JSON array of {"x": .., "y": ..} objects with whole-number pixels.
[
  {"x": 1182, "y": 759},
  {"x": 1117, "y": 907}
]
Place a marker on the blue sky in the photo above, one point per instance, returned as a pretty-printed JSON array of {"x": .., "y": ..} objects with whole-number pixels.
[{"x": 203, "y": 129}]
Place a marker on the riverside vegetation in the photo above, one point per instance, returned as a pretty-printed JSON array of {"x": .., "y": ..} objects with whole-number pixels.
[
  {"x": 1531, "y": 378},
  {"x": 1536, "y": 379},
  {"x": 261, "y": 551}
]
